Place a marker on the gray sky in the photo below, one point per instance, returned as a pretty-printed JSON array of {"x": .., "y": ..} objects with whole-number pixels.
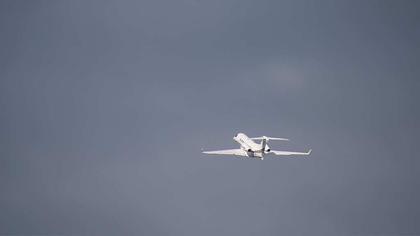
[{"x": 105, "y": 106}]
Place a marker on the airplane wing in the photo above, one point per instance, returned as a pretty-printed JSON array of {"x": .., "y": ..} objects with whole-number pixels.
[
  {"x": 287, "y": 153},
  {"x": 235, "y": 152}
]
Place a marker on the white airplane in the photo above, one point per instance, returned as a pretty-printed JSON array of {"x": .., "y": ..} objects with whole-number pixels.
[{"x": 251, "y": 149}]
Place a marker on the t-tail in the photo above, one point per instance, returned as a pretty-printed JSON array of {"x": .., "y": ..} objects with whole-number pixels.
[
  {"x": 269, "y": 138},
  {"x": 264, "y": 145},
  {"x": 264, "y": 141}
]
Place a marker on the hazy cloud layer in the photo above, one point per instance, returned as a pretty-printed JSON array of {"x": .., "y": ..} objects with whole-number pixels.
[{"x": 105, "y": 106}]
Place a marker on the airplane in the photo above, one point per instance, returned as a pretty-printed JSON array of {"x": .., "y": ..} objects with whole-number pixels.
[{"x": 251, "y": 149}]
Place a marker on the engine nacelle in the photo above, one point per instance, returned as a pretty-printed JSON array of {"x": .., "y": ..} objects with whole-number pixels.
[{"x": 268, "y": 150}]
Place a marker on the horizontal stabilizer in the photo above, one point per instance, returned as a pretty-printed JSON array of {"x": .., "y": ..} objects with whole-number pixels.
[{"x": 269, "y": 138}]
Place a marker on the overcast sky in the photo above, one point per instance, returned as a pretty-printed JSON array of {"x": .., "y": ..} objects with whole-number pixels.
[{"x": 105, "y": 106}]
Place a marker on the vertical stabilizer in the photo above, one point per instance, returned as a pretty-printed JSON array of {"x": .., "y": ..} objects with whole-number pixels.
[{"x": 263, "y": 144}]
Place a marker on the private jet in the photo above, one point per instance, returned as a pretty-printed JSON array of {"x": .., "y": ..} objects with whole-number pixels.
[{"x": 251, "y": 149}]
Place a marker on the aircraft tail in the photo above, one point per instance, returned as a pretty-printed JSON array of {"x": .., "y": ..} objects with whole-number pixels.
[
  {"x": 263, "y": 144},
  {"x": 269, "y": 138}
]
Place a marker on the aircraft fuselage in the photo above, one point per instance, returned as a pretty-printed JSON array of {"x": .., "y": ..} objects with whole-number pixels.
[{"x": 253, "y": 149}]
